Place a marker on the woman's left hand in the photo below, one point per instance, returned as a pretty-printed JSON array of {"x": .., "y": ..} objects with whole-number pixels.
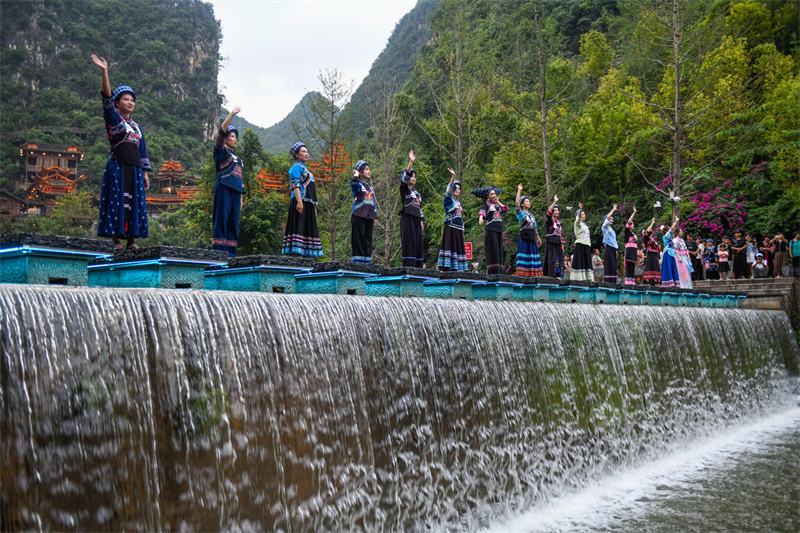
[{"x": 146, "y": 181}]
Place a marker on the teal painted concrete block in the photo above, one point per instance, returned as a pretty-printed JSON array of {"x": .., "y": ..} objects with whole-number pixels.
[
  {"x": 397, "y": 286},
  {"x": 542, "y": 292},
  {"x": 590, "y": 296},
  {"x": 263, "y": 278},
  {"x": 558, "y": 294},
  {"x": 497, "y": 291},
  {"x": 335, "y": 282},
  {"x": 152, "y": 274},
  {"x": 45, "y": 267},
  {"x": 612, "y": 296},
  {"x": 524, "y": 293},
  {"x": 572, "y": 294},
  {"x": 651, "y": 298},
  {"x": 457, "y": 289},
  {"x": 629, "y": 297}
]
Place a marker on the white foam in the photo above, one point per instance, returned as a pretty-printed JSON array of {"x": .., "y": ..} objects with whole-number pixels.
[{"x": 626, "y": 493}]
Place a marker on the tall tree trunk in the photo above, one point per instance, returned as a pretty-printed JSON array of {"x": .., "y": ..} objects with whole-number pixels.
[
  {"x": 678, "y": 133},
  {"x": 548, "y": 172}
]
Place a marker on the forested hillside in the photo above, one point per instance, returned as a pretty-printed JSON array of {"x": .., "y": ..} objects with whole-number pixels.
[
  {"x": 166, "y": 50},
  {"x": 280, "y": 136}
]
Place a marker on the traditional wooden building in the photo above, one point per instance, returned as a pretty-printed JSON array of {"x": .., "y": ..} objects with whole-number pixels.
[
  {"x": 12, "y": 206},
  {"x": 51, "y": 170},
  {"x": 171, "y": 186},
  {"x": 321, "y": 169}
]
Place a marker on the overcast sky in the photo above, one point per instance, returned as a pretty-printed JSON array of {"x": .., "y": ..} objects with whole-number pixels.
[{"x": 273, "y": 50}]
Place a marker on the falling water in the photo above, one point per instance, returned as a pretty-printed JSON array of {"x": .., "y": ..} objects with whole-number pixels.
[{"x": 162, "y": 410}]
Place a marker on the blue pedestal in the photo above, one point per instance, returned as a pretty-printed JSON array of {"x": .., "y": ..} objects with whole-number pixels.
[
  {"x": 651, "y": 298},
  {"x": 493, "y": 290},
  {"x": 731, "y": 301},
  {"x": 398, "y": 286},
  {"x": 612, "y": 296},
  {"x": 344, "y": 282},
  {"x": 572, "y": 294},
  {"x": 261, "y": 278},
  {"x": 460, "y": 289},
  {"x": 629, "y": 297},
  {"x": 524, "y": 293},
  {"x": 45, "y": 266},
  {"x": 163, "y": 273}
]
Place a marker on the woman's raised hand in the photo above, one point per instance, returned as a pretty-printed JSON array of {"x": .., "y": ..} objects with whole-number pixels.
[
  {"x": 453, "y": 172},
  {"x": 100, "y": 62},
  {"x": 519, "y": 187},
  {"x": 580, "y": 205},
  {"x": 411, "y": 156},
  {"x": 236, "y": 110},
  {"x": 555, "y": 198}
]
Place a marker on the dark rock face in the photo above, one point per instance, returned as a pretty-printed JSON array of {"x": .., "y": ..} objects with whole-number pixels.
[
  {"x": 411, "y": 271},
  {"x": 332, "y": 266},
  {"x": 57, "y": 241},
  {"x": 451, "y": 274},
  {"x": 170, "y": 252},
  {"x": 267, "y": 260}
]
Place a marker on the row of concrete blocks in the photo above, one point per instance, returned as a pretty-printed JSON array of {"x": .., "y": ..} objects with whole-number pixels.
[{"x": 73, "y": 268}]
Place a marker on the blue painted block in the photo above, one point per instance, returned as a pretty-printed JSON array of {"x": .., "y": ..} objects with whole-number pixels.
[
  {"x": 45, "y": 266},
  {"x": 572, "y": 294},
  {"x": 343, "y": 282},
  {"x": 398, "y": 286},
  {"x": 459, "y": 289},
  {"x": 587, "y": 295},
  {"x": 494, "y": 290},
  {"x": 261, "y": 278},
  {"x": 558, "y": 294},
  {"x": 629, "y": 297},
  {"x": 524, "y": 293},
  {"x": 731, "y": 301},
  {"x": 159, "y": 273},
  {"x": 542, "y": 292},
  {"x": 612, "y": 296}
]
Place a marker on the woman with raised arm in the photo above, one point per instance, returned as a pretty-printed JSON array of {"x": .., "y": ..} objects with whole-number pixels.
[
  {"x": 364, "y": 214},
  {"x": 123, "y": 205},
  {"x": 529, "y": 263},
  {"x": 669, "y": 267},
  {"x": 491, "y": 212},
  {"x": 228, "y": 188},
  {"x": 412, "y": 221},
  {"x": 631, "y": 250},
  {"x": 582, "y": 256},
  {"x": 554, "y": 258},
  {"x": 683, "y": 260},
  {"x": 652, "y": 270},
  {"x": 451, "y": 253},
  {"x": 609, "y": 248},
  {"x": 302, "y": 234}
]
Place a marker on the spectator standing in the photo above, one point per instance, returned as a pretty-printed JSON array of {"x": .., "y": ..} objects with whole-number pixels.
[
  {"x": 738, "y": 249},
  {"x": 794, "y": 253},
  {"x": 723, "y": 262},
  {"x": 781, "y": 254},
  {"x": 766, "y": 250},
  {"x": 710, "y": 260},
  {"x": 751, "y": 253}
]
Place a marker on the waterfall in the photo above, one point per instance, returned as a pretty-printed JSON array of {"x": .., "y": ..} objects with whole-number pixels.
[{"x": 155, "y": 409}]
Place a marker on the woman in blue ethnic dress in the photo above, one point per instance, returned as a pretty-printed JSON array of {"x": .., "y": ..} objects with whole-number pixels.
[
  {"x": 228, "y": 188},
  {"x": 363, "y": 215},
  {"x": 669, "y": 266},
  {"x": 123, "y": 205},
  {"x": 529, "y": 263},
  {"x": 412, "y": 221},
  {"x": 302, "y": 235},
  {"x": 452, "y": 255},
  {"x": 554, "y": 258}
]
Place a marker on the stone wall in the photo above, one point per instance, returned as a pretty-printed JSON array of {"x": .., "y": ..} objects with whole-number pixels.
[{"x": 771, "y": 293}]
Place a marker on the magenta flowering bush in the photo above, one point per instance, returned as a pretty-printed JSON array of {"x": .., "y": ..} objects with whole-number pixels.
[{"x": 717, "y": 212}]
